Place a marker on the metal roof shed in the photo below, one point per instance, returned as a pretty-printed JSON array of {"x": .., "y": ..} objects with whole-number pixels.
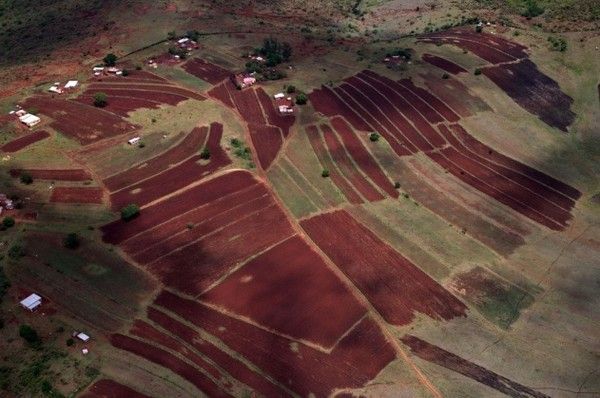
[{"x": 31, "y": 302}]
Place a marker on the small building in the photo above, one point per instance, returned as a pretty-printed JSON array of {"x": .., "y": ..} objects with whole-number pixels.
[
  {"x": 71, "y": 84},
  {"x": 83, "y": 337},
  {"x": 279, "y": 96},
  {"x": 243, "y": 80},
  {"x": 112, "y": 69},
  {"x": 55, "y": 89},
  {"x": 29, "y": 120},
  {"x": 98, "y": 69},
  {"x": 184, "y": 40},
  {"x": 31, "y": 302},
  {"x": 285, "y": 109},
  {"x": 133, "y": 140}
]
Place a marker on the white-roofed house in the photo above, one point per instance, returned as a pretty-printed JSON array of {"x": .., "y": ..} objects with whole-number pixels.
[
  {"x": 31, "y": 302},
  {"x": 71, "y": 84},
  {"x": 29, "y": 120}
]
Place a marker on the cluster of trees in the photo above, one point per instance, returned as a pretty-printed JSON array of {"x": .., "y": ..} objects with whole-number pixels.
[
  {"x": 557, "y": 43},
  {"x": 274, "y": 53}
]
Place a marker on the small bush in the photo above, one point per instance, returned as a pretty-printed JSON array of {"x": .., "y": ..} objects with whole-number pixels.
[
  {"x": 70, "y": 342},
  {"x": 301, "y": 99},
  {"x": 16, "y": 251},
  {"x": 445, "y": 76},
  {"x": 110, "y": 59},
  {"x": 325, "y": 173},
  {"x": 26, "y": 178},
  {"x": 290, "y": 89},
  {"x": 477, "y": 72},
  {"x": 557, "y": 43},
  {"x": 30, "y": 335},
  {"x": 479, "y": 28},
  {"x": 142, "y": 145},
  {"x": 125, "y": 72},
  {"x": 235, "y": 143},
  {"x": 71, "y": 241},
  {"x": 397, "y": 185},
  {"x": 138, "y": 67},
  {"x": 374, "y": 137},
  {"x": 130, "y": 212},
  {"x": 8, "y": 222},
  {"x": 532, "y": 9},
  {"x": 100, "y": 100},
  {"x": 205, "y": 153}
]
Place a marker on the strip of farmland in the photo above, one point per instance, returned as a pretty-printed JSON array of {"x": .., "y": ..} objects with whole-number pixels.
[
  {"x": 177, "y": 177},
  {"x": 328, "y": 104},
  {"x": 356, "y": 359},
  {"x": 54, "y": 174},
  {"x": 395, "y": 286},
  {"x": 206, "y": 71},
  {"x": 153, "y": 89},
  {"x": 312, "y": 303},
  {"x": 284, "y": 122},
  {"x": 441, "y": 357},
  {"x": 121, "y": 105},
  {"x": 76, "y": 195},
  {"x": 84, "y": 123},
  {"x": 267, "y": 141},
  {"x": 443, "y": 64},
  {"x": 183, "y": 150},
  {"x": 109, "y": 388},
  {"x": 23, "y": 142},
  {"x": 439, "y": 106}
]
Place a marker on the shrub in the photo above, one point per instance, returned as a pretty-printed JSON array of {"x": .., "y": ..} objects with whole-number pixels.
[
  {"x": 46, "y": 387},
  {"x": 100, "y": 100},
  {"x": 130, "y": 212},
  {"x": 397, "y": 185},
  {"x": 70, "y": 342},
  {"x": 16, "y": 251},
  {"x": 26, "y": 178},
  {"x": 557, "y": 43},
  {"x": 142, "y": 145},
  {"x": 125, "y": 72},
  {"x": 290, "y": 89},
  {"x": 72, "y": 241},
  {"x": 110, "y": 59},
  {"x": 477, "y": 72},
  {"x": 325, "y": 173},
  {"x": 445, "y": 76},
  {"x": 479, "y": 28},
  {"x": 138, "y": 67},
  {"x": 532, "y": 9},
  {"x": 301, "y": 99},
  {"x": 235, "y": 143},
  {"x": 374, "y": 137},
  {"x": 8, "y": 222},
  {"x": 30, "y": 335},
  {"x": 205, "y": 153}
]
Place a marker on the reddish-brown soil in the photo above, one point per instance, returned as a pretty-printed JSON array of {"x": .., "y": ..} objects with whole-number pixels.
[
  {"x": 169, "y": 361},
  {"x": 177, "y": 177},
  {"x": 454, "y": 94},
  {"x": 289, "y": 289},
  {"x": 134, "y": 75},
  {"x": 317, "y": 144},
  {"x": 443, "y": 64},
  {"x": 347, "y": 167},
  {"x": 22, "y": 142},
  {"x": 54, "y": 174},
  {"x": 274, "y": 117},
  {"x": 430, "y": 99},
  {"x": 153, "y": 88},
  {"x": 533, "y": 91},
  {"x": 395, "y": 286},
  {"x": 76, "y": 195},
  {"x": 84, "y": 123},
  {"x": 327, "y": 103},
  {"x": 362, "y": 157},
  {"x": 106, "y": 388},
  {"x": 356, "y": 359},
  {"x": 121, "y": 105},
  {"x": 483, "y": 51},
  {"x": 448, "y": 360},
  {"x": 221, "y": 93},
  {"x": 206, "y": 71},
  {"x": 267, "y": 141},
  {"x": 144, "y": 95},
  {"x": 187, "y": 147},
  {"x": 190, "y": 199},
  {"x": 247, "y": 104}
]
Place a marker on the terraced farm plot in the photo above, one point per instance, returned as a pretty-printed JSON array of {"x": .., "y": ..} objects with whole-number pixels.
[{"x": 23, "y": 142}]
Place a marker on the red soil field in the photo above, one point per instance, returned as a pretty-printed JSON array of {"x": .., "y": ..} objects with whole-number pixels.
[
  {"x": 539, "y": 190},
  {"x": 134, "y": 74},
  {"x": 290, "y": 290},
  {"x": 84, "y": 123},
  {"x": 221, "y": 93},
  {"x": 329, "y": 104},
  {"x": 357, "y": 358},
  {"x": 362, "y": 157},
  {"x": 76, "y": 195},
  {"x": 22, "y": 142},
  {"x": 176, "y": 177},
  {"x": 181, "y": 151},
  {"x": 316, "y": 142},
  {"x": 106, "y": 388},
  {"x": 511, "y": 48},
  {"x": 395, "y": 286},
  {"x": 482, "y": 50},
  {"x": 198, "y": 264},
  {"x": 154, "y": 215},
  {"x": 485, "y": 151},
  {"x": 426, "y": 131},
  {"x": 442, "y": 159},
  {"x": 54, "y": 174},
  {"x": 154, "y": 88},
  {"x": 267, "y": 141},
  {"x": 284, "y": 122},
  {"x": 443, "y": 63},
  {"x": 432, "y": 100},
  {"x": 161, "y": 97},
  {"x": 234, "y": 367},
  {"x": 247, "y": 105},
  {"x": 206, "y": 213},
  {"x": 206, "y": 71},
  {"x": 454, "y": 94},
  {"x": 387, "y": 117},
  {"x": 121, "y": 106},
  {"x": 439, "y": 356},
  {"x": 533, "y": 91},
  {"x": 346, "y": 166},
  {"x": 169, "y": 361}
]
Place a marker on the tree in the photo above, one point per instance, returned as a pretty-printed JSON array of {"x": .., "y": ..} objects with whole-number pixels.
[
  {"x": 130, "y": 212},
  {"x": 71, "y": 241},
  {"x": 205, "y": 153},
  {"x": 477, "y": 72},
  {"x": 26, "y": 178},
  {"x": 100, "y": 100},
  {"x": 171, "y": 35},
  {"x": 8, "y": 222},
  {"x": 30, "y": 335},
  {"x": 193, "y": 35},
  {"x": 301, "y": 99},
  {"x": 110, "y": 59},
  {"x": 374, "y": 137},
  {"x": 290, "y": 89},
  {"x": 16, "y": 251},
  {"x": 325, "y": 173}
]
